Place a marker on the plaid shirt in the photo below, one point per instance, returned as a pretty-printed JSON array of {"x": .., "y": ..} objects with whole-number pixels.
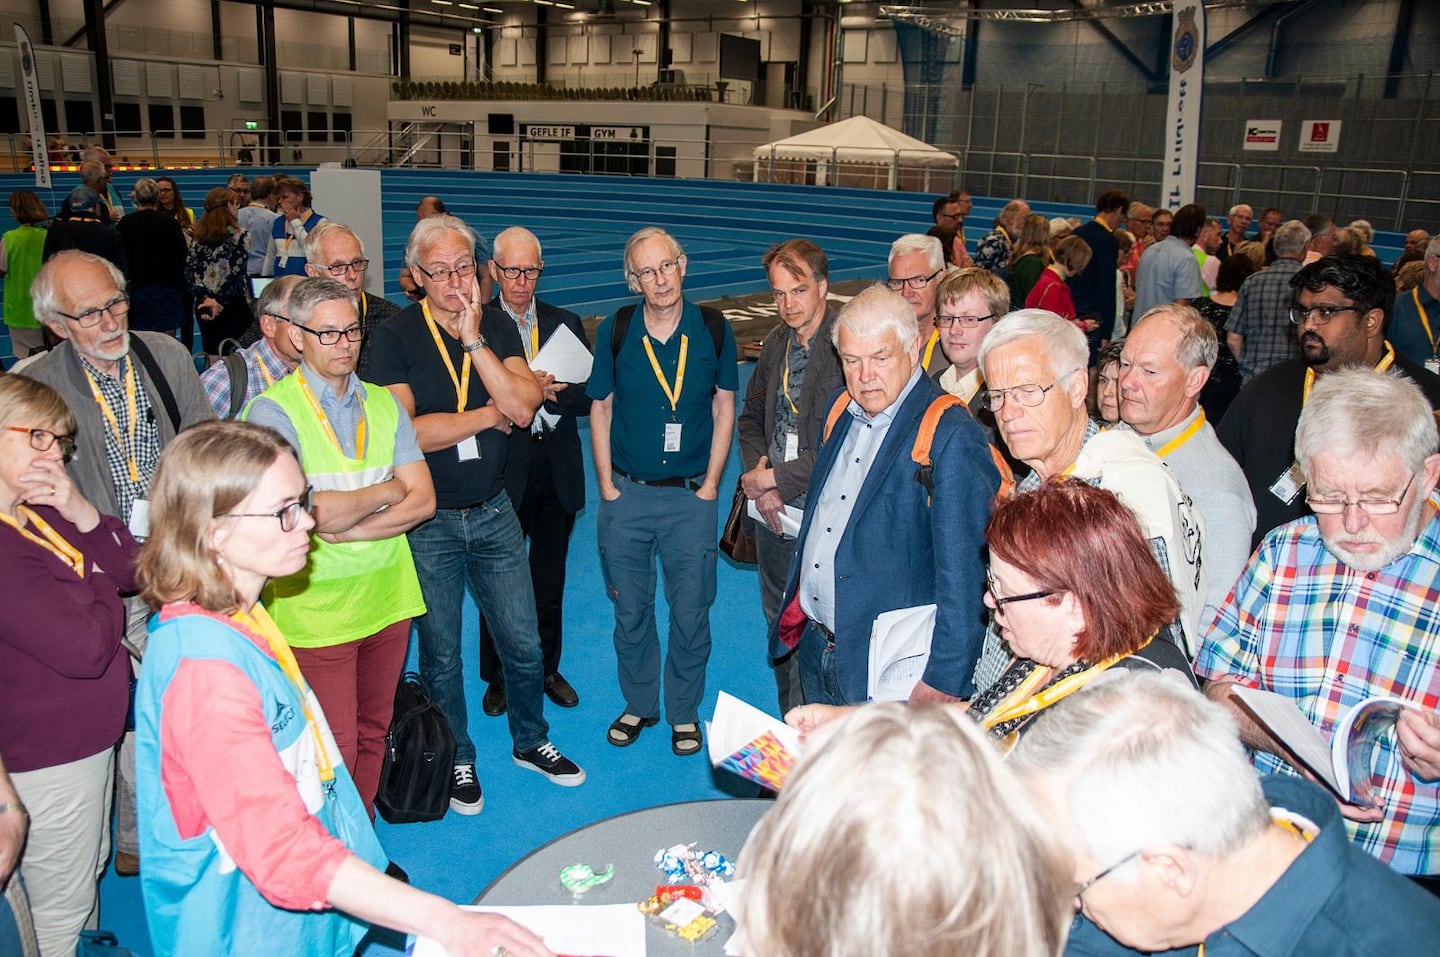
[
  {"x": 142, "y": 445},
  {"x": 1261, "y": 315},
  {"x": 260, "y": 361},
  {"x": 1302, "y": 624}
]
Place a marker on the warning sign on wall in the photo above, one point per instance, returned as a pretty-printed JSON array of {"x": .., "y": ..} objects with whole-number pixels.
[
  {"x": 1262, "y": 135},
  {"x": 1319, "y": 136}
]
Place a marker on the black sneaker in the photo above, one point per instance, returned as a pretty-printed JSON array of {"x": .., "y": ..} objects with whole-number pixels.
[
  {"x": 465, "y": 796},
  {"x": 548, "y": 760}
]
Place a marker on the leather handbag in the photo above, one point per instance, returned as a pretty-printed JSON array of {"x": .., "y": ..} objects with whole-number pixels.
[{"x": 737, "y": 540}]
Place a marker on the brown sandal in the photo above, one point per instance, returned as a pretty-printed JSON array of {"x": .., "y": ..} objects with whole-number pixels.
[{"x": 626, "y": 728}]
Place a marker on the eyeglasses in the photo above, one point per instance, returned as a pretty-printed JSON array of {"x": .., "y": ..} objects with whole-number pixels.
[
  {"x": 914, "y": 282},
  {"x": 666, "y": 268},
  {"x": 340, "y": 269},
  {"x": 329, "y": 337},
  {"x": 531, "y": 273},
  {"x": 1080, "y": 889},
  {"x": 1370, "y": 506},
  {"x": 117, "y": 308},
  {"x": 289, "y": 515},
  {"x": 1028, "y": 395},
  {"x": 443, "y": 274},
  {"x": 1320, "y": 315},
  {"x": 966, "y": 322},
  {"x": 990, "y": 584},
  {"x": 43, "y": 440}
]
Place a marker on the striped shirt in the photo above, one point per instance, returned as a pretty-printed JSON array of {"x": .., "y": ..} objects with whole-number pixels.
[{"x": 1302, "y": 624}]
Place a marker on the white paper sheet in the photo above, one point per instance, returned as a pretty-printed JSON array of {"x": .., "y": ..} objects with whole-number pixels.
[
  {"x": 899, "y": 651},
  {"x": 1288, "y": 725},
  {"x": 790, "y": 518},
  {"x": 747, "y": 741},
  {"x": 616, "y": 930},
  {"x": 564, "y": 356}
]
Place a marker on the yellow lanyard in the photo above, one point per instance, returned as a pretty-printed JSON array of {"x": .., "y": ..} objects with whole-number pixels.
[
  {"x": 258, "y": 621},
  {"x": 1025, "y": 700},
  {"x": 48, "y": 539},
  {"x": 131, "y": 407},
  {"x": 785, "y": 380},
  {"x": 672, "y": 394},
  {"x": 1425, "y": 320},
  {"x": 1386, "y": 361},
  {"x": 462, "y": 381},
  {"x": 930, "y": 349},
  {"x": 1174, "y": 444},
  {"x": 330, "y": 429}
]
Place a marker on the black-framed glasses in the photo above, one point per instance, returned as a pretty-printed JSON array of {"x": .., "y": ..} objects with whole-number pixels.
[
  {"x": 443, "y": 273},
  {"x": 288, "y": 515},
  {"x": 338, "y": 270},
  {"x": 1081, "y": 888},
  {"x": 666, "y": 268},
  {"x": 43, "y": 440},
  {"x": 531, "y": 273},
  {"x": 329, "y": 337},
  {"x": 966, "y": 322},
  {"x": 1370, "y": 506},
  {"x": 1028, "y": 395},
  {"x": 1320, "y": 315},
  {"x": 117, "y": 308},
  {"x": 914, "y": 282},
  {"x": 990, "y": 584}
]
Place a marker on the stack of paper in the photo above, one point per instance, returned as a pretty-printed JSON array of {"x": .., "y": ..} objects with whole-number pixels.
[{"x": 616, "y": 930}]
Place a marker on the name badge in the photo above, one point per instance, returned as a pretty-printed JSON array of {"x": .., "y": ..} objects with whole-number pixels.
[
  {"x": 1288, "y": 486},
  {"x": 792, "y": 446},
  {"x": 467, "y": 449},
  {"x": 140, "y": 520},
  {"x": 672, "y": 436}
]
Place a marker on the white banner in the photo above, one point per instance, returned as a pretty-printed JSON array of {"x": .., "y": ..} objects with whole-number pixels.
[
  {"x": 39, "y": 143},
  {"x": 1182, "y": 117}
]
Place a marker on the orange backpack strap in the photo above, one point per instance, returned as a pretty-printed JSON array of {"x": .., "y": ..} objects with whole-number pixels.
[
  {"x": 920, "y": 452},
  {"x": 836, "y": 410}
]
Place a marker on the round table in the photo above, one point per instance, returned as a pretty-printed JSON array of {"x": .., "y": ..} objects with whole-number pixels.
[{"x": 629, "y": 841}]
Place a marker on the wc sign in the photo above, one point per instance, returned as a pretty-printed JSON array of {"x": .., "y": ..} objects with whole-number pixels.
[{"x": 1319, "y": 136}]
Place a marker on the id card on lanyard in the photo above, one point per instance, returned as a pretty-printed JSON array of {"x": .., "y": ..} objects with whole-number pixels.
[
  {"x": 673, "y": 428},
  {"x": 467, "y": 449},
  {"x": 1432, "y": 364}
]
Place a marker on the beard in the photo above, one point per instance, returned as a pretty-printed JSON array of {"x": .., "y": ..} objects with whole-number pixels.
[
  {"x": 1314, "y": 350},
  {"x": 111, "y": 350},
  {"x": 1389, "y": 550}
]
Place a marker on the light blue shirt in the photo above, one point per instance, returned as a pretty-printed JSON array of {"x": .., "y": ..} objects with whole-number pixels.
[
  {"x": 836, "y": 501},
  {"x": 344, "y": 412},
  {"x": 1168, "y": 271}
]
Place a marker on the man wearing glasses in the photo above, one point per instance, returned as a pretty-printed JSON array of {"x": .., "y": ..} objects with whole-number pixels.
[
  {"x": 544, "y": 473},
  {"x": 460, "y": 371},
  {"x": 271, "y": 358},
  {"x": 916, "y": 264},
  {"x": 334, "y": 251},
  {"x": 1178, "y": 845},
  {"x": 662, "y": 410},
  {"x": 1036, "y": 384},
  {"x": 130, "y": 393},
  {"x": 347, "y": 613},
  {"x": 1342, "y": 605},
  {"x": 1339, "y": 309}
]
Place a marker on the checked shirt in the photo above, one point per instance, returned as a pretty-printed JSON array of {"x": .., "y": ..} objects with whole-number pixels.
[{"x": 1301, "y": 624}]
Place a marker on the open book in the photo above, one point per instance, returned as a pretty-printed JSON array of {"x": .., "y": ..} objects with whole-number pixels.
[
  {"x": 751, "y": 743},
  {"x": 1343, "y": 765},
  {"x": 899, "y": 651}
]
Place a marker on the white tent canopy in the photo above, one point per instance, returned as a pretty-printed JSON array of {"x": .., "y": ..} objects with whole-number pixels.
[{"x": 858, "y": 140}]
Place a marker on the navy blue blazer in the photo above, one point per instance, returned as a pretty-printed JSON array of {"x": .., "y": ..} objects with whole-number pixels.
[
  {"x": 566, "y": 467},
  {"x": 898, "y": 551}
]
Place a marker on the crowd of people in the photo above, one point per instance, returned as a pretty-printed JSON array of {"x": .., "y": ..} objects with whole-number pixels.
[{"x": 1115, "y": 528}]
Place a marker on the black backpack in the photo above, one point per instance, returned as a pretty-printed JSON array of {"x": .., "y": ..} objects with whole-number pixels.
[
  {"x": 714, "y": 321},
  {"x": 419, "y": 757}
]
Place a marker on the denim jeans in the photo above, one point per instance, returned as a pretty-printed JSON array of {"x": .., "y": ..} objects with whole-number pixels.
[
  {"x": 482, "y": 549},
  {"x": 774, "y": 555},
  {"x": 817, "y": 668}
]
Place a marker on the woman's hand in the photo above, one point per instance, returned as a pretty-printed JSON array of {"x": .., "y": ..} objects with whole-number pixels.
[
  {"x": 47, "y": 483},
  {"x": 469, "y": 934}
]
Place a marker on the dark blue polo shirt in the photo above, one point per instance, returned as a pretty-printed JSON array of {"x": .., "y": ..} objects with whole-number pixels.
[{"x": 640, "y": 410}]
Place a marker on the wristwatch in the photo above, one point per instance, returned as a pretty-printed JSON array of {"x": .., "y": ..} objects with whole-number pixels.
[
  {"x": 475, "y": 346},
  {"x": 7, "y": 806}
]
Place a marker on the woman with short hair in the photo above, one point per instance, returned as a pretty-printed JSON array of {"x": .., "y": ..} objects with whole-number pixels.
[{"x": 1052, "y": 292}]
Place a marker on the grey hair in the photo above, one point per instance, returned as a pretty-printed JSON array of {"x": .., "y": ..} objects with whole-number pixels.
[
  {"x": 1199, "y": 345},
  {"x": 237, "y": 178},
  {"x": 1239, "y": 206},
  {"x": 1142, "y": 760},
  {"x": 512, "y": 234},
  {"x": 276, "y": 294},
  {"x": 92, "y": 172},
  {"x": 428, "y": 231},
  {"x": 45, "y": 290},
  {"x": 1357, "y": 412},
  {"x": 146, "y": 192},
  {"x": 1363, "y": 229},
  {"x": 1432, "y": 248},
  {"x": 327, "y": 230},
  {"x": 865, "y": 843},
  {"x": 919, "y": 243},
  {"x": 310, "y": 293},
  {"x": 876, "y": 312},
  {"x": 640, "y": 236},
  {"x": 1061, "y": 341},
  {"x": 1290, "y": 238}
]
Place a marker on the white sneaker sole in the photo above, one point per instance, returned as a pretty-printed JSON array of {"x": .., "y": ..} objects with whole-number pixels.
[
  {"x": 468, "y": 810},
  {"x": 564, "y": 780}
]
